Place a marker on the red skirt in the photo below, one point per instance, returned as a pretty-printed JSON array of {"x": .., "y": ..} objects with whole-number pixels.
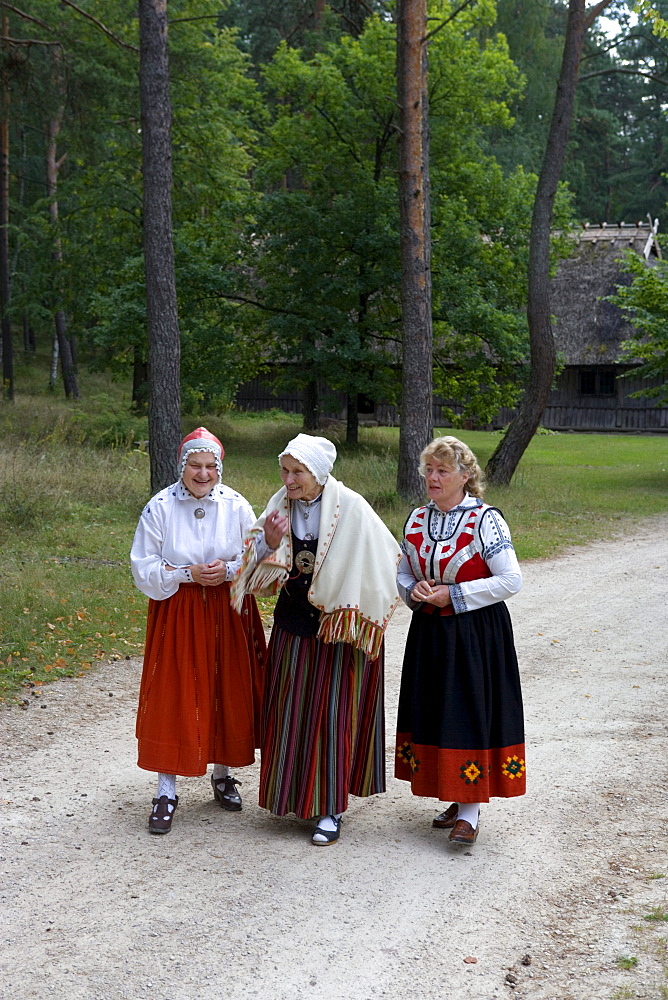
[{"x": 201, "y": 686}]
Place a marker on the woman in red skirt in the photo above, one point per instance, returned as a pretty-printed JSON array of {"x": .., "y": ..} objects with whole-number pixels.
[{"x": 201, "y": 683}]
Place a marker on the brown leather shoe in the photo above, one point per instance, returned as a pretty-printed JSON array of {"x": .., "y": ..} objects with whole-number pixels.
[
  {"x": 225, "y": 792},
  {"x": 446, "y": 820},
  {"x": 463, "y": 832},
  {"x": 160, "y": 820}
]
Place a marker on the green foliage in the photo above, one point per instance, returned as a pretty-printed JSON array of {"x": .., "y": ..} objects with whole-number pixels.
[
  {"x": 617, "y": 150},
  {"x": 101, "y": 283},
  {"x": 264, "y": 24},
  {"x": 285, "y": 204},
  {"x": 647, "y": 9},
  {"x": 645, "y": 304},
  {"x": 322, "y": 276}
]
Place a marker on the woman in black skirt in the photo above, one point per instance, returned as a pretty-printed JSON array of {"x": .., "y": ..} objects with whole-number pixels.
[{"x": 460, "y": 727}]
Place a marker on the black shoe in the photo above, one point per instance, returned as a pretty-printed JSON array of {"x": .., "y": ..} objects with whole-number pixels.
[
  {"x": 224, "y": 791},
  {"x": 160, "y": 820},
  {"x": 327, "y": 837}
]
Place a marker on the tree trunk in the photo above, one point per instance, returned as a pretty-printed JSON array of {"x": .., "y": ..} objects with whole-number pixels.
[
  {"x": 416, "y": 390},
  {"x": 139, "y": 380},
  {"x": 506, "y": 457},
  {"x": 352, "y": 419},
  {"x": 66, "y": 360},
  {"x": 55, "y": 354},
  {"x": 7, "y": 345},
  {"x": 28, "y": 336},
  {"x": 311, "y": 405},
  {"x": 53, "y": 165},
  {"x": 164, "y": 349}
]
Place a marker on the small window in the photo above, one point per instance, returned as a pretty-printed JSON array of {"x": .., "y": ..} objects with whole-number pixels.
[
  {"x": 597, "y": 382},
  {"x": 606, "y": 383},
  {"x": 587, "y": 383}
]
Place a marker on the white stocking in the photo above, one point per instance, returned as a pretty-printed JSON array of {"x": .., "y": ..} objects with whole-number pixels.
[
  {"x": 220, "y": 771},
  {"x": 469, "y": 811},
  {"x": 167, "y": 786},
  {"x": 327, "y": 823}
]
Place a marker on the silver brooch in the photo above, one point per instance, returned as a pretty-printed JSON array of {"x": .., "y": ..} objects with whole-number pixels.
[{"x": 199, "y": 513}]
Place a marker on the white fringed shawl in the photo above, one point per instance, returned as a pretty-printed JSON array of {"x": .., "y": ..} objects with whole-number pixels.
[{"x": 354, "y": 577}]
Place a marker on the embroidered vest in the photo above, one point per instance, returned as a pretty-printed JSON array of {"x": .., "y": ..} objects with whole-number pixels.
[
  {"x": 453, "y": 555},
  {"x": 293, "y": 612}
]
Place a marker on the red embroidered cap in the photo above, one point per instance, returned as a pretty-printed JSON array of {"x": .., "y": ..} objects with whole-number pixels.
[{"x": 201, "y": 440}]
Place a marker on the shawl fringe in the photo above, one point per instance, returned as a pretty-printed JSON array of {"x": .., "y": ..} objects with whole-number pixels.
[
  {"x": 265, "y": 578},
  {"x": 349, "y": 625}
]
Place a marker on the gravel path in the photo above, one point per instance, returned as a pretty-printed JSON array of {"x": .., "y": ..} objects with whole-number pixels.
[{"x": 241, "y": 905}]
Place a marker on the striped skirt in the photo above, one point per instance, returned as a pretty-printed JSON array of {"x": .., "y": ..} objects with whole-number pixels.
[{"x": 323, "y": 726}]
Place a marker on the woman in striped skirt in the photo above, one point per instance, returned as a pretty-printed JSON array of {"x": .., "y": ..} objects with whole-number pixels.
[{"x": 332, "y": 561}]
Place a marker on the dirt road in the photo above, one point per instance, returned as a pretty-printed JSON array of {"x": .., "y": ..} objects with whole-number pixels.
[{"x": 241, "y": 905}]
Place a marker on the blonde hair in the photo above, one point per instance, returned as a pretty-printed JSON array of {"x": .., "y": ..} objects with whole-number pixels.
[{"x": 454, "y": 454}]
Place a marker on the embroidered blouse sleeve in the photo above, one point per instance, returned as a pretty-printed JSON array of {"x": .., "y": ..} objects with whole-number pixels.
[
  {"x": 146, "y": 561},
  {"x": 499, "y": 554},
  {"x": 406, "y": 580}
]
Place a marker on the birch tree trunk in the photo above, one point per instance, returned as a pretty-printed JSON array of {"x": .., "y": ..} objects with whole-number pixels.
[
  {"x": 55, "y": 355},
  {"x": 164, "y": 350},
  {"x": 416, "y": 390}
]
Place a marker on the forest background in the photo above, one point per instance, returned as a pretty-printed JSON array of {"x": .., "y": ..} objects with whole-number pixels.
[
  {"x": 286, "y": 234},
  {"x": 285, "y": 208}
]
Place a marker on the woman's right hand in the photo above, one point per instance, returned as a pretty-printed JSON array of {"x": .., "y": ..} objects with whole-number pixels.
[
  {"x": 275, "y": 527},
  {"x": 209, "y": 574},
  {"x": 432, "y": 593},
  {"x": 423, "y": 590}
]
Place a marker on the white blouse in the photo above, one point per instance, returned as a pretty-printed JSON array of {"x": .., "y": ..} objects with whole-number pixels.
[
  {"x": 170, "y": 533},
  {"x": 496, "y": 549}
]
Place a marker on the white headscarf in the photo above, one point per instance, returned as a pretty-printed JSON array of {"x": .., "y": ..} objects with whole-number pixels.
[{"x": 316, "y": 453}]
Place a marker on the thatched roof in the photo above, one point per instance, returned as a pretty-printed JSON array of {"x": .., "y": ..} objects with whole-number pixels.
[{"x": 589, "y": 330}]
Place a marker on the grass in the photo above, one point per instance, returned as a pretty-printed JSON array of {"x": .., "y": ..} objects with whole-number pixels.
[
  {"x": 627, "y": 962},
  {"x": 72, "y": 486}
]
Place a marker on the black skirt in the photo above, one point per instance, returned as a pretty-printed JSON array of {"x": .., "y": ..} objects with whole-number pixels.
[{"x": 460, "y": 726}]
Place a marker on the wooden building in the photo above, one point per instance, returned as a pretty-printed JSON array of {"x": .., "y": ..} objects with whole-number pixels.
[{"x": 593, "y": 391}]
